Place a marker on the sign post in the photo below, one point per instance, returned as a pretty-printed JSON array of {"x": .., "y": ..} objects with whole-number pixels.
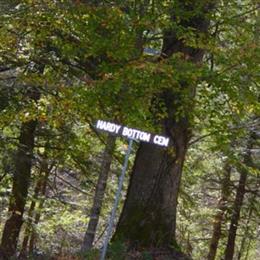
[
  {"x": 117, "y": 198},
  {"x": 131, "y": 134}
]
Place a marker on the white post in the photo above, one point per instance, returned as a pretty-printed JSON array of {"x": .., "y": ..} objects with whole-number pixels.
[{"x": 117, "y": 198}]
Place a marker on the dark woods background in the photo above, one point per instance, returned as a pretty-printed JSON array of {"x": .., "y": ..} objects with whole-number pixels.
[{"x": 186, "y": 69}]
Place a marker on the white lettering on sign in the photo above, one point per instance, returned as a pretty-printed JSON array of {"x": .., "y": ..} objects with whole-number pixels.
[
  {"x": 161, "y": 140},
  {"x": 132, "y": 133},
  {"x": 136, "y": 134},
  {"x": 106, "y": 126},
  {"x": 145, "y": 136}
]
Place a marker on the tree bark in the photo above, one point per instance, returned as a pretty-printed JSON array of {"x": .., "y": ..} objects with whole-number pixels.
[
  {"x": 29, "y": 222},
  {"x": 221, "y": 210},
  {"x": 20, "y": 189},
  {"x": 247, "y": 161},
  {"x": 37, "y": 191},
  {"x": 39, "y": 208},
  {"x": 246, "y": 232},
  {"x": 149, "y": 213},
  {"x": 99, "y": 194},
  {"x": 21, "y": 180}
]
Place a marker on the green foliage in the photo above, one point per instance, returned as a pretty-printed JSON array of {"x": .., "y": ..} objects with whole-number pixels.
[{"x": 88, "y": 62}]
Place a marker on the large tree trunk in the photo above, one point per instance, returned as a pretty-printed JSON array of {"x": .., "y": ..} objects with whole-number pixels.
[
  {"x": 230, "y": 247},
  {"x": 99, "y": 193},
  {"x": 21, "y": 180},
  {"x": 149, "y": 214},
  {"x": 221, "y": 210}
]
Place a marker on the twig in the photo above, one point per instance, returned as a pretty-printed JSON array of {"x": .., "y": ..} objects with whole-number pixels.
[{"x": 3, "y": 176}]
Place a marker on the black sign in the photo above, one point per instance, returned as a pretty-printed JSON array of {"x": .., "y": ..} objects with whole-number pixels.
[{"x": 132, "y": 133}]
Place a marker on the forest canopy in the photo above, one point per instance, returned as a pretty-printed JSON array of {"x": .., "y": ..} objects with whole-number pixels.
[{"x": 187, "y": 70}]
